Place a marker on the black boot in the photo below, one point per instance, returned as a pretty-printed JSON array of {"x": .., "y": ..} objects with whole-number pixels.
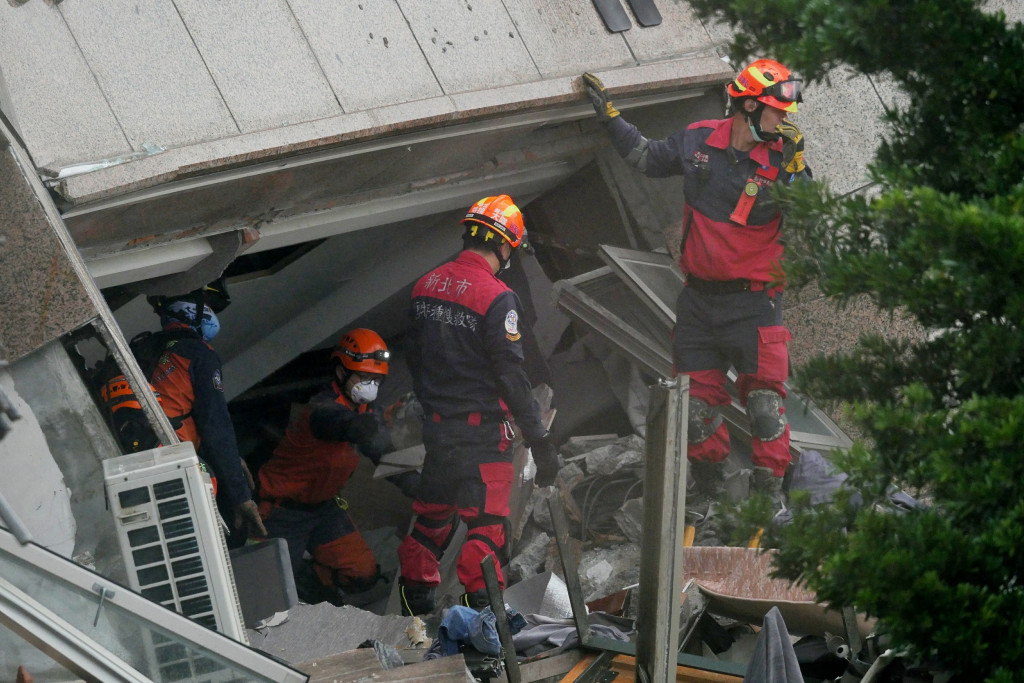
[
  {"x": 705, "y": 500},
  {"x": 477, "y": 600},
  {"x": 765, "y": 482},
  {"x": 416, "y": 600}
]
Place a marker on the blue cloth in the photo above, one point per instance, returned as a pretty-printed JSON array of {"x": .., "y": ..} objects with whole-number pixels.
[{"x": 464, "y": 626}]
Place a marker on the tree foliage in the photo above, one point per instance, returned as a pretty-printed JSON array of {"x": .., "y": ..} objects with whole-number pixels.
[{"x": 941, "y": 238}]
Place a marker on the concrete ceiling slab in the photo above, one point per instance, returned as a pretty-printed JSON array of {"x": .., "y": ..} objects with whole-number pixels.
[
  {"x": 68, "y": 118},
  {"x": 679, "y": 32},
  {"x": 470, "y": 44},
  {"x": 566, "y": 39},
  {"x": 150, "y": 71},
  {"x": 260, "y": 60},
  {"x": 367, "y": 51}
]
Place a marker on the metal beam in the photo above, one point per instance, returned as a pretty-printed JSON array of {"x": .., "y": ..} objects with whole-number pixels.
[{"x": 661, "y": 562}]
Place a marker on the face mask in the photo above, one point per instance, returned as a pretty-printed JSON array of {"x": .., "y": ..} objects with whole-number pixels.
[{"x": 364, "y": 392}]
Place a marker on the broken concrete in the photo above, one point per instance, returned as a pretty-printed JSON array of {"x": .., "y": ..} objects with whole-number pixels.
[{"x": 313, "y": 632}]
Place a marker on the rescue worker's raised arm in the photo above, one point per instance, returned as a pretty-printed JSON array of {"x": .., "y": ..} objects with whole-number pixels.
[{"x": 654, "y": 158}]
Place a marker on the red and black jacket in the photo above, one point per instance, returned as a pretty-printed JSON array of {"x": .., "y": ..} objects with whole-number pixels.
[{"x": 466, "y": 355}]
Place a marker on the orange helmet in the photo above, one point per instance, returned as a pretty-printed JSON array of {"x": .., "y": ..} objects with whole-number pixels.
[
  {"x": 362, "y": 350},
  {"x": 770, "y": 82},
  {"x": 500, "y": 215}
]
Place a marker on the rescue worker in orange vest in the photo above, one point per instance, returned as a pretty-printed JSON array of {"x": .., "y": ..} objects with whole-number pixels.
[
  {"x": 730, "y": 311},
  {"x": 301, "y": 482},
  {"x": 466, "y": 360},
  {"x": 188, "y": 379}
]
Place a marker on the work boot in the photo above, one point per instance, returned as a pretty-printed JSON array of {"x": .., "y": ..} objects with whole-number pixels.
[
  {"x": 477, "y": 600},
  {"x": 416, "y": 600},
  {"x": 765, "y": 482},
  {"x": 705, "y": 499},
  {"x": 708, "y": 487}
]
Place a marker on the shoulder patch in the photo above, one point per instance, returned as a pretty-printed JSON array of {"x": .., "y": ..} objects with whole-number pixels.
[
  {"x": 217, "y": 384},
  {"x": 512, "y": 326}
]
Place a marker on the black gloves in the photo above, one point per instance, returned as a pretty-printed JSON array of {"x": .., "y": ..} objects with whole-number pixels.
[
  {"x": 545, "y": 455},
  {"x": 792, "y": 146},
  {"x": 247, "y": 518},
  {"x": 606, "y": 111},
  {"x": 407, "y": 482},
  {"x": 362, "y": 428}
]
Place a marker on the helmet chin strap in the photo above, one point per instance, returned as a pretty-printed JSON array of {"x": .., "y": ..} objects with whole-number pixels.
[{"x": 753, "y": 119}]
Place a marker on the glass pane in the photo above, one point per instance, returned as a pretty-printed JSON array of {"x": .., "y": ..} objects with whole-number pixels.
[{"x": 154, "y": 651}]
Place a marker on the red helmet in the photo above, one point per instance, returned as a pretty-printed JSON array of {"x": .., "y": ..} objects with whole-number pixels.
[
  {"x": 500, "y": 215},
  {"x": 770, "y": 82},
  {"x": 362, "y": 350}
]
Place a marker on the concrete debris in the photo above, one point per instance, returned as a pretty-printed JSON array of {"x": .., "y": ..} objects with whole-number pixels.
[
  {"x": 538, "y": 510},
  {"x": 603, "y": 571},
  {"x": 529, "y": 558},
  {"x": 544, "y": 594},
  {"x": 417, "y": 633},
  {"x": 609, "y": 459},
  {"x": 579, "y": 445},
  {"x": 630, "y": 518},
  {"x": 313, "y": 632}
]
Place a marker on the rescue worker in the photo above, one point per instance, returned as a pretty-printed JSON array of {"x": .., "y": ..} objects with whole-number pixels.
[
  {"x": 466, "y": 360},
  {"x": 188, "y": 379},
  {"x": 301, "y": 482},
  {"x": 730, "y": 311}
]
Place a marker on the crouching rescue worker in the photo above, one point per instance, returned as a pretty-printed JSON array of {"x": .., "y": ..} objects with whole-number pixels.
[
  {"x": 300, "y": 484},
  {"x": 730, "y": 311},
  {"x": 466, "y": 360},
  {"x": 187, "y": 377}
]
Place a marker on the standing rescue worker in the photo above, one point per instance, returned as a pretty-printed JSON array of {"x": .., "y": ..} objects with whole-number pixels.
[
  {"x": 730, "y": 311},
  {"x": 466, "y": 359},
  {"x": 188, "y": 379},
  {"x": 300, "y": 485}
]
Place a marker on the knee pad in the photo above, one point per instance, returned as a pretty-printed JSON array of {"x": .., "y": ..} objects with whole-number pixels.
[
  {"x": 767, "y": 421},
  {"x": 704, "y": 420}
]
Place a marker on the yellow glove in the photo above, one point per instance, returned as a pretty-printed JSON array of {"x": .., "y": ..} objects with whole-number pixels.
[
  {"x": 792, "y": 146},
  {"x": 606, "y": 111}
]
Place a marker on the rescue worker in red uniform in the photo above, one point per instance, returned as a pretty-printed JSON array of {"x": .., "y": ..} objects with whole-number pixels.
[
  {"x": 188, "y": 379},
  {"x": 730, "y": 311},
  {"x": 466, "y": 360},
  {"x": 301, "y": 482}
]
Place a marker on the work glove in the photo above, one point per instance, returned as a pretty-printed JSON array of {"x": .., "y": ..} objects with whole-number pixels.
[
  {"x": 546, "y": 457},
  {"x": 407, "y": 482},
  {"x": 606, "y": 111},
  {"x": 247, "y": 518},
  {"x": 792, "y": 146},
  {"x": 362, "y": 428},
  {"x": 248, "y": 475}
]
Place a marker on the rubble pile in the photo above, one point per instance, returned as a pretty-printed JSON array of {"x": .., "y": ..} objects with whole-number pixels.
[{"x": 601, "y": 490}]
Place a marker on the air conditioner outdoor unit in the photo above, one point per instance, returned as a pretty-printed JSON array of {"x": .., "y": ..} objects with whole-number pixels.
[{"x": 171, "y": 540}]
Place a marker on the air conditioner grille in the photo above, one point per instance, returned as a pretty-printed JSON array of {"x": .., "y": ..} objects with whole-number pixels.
[
  {"x": 143, "y": 536},
  {"x": 161, "y": 594},
  {"x": 191, "y": 586},
  {"x": 169, "y": 489},
  {"x": 174, "y": 508},
  {"x": 151, "y": 575},
  {"x": 186, "y": 546},
  {"x": 144, "y": 556},
  {"x": 178, "y": 527},
  {"x": 187, "y": 567}
]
